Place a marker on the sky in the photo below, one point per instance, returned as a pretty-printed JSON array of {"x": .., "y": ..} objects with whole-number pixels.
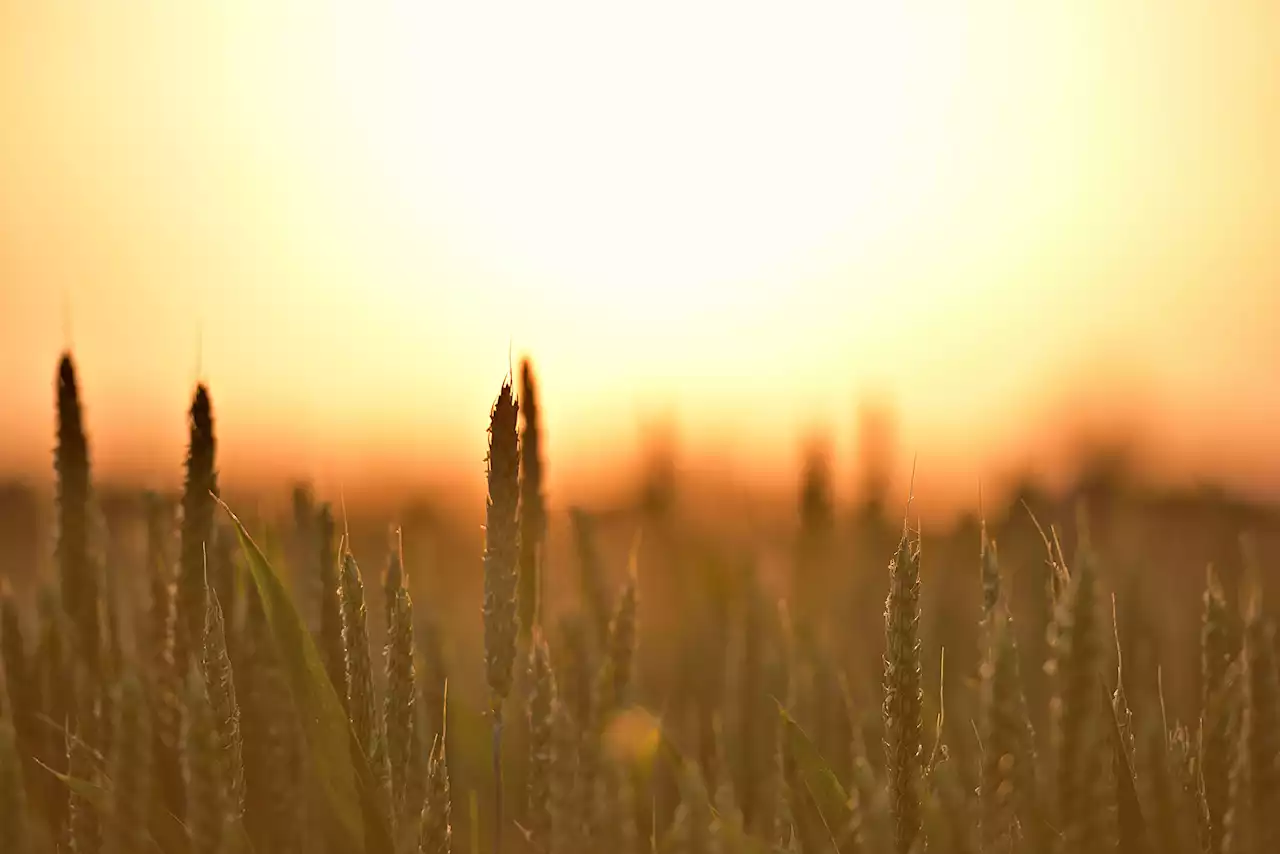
[{"x": 1014, "y": 221}]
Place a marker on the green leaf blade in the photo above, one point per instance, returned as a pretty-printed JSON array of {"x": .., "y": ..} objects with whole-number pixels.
[{"x": 341, "y": 774}]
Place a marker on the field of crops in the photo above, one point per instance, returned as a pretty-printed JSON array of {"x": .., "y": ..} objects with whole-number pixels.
[{"x": 1064, "y": 676}]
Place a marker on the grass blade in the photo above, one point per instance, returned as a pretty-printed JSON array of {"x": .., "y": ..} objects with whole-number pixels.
[
  {"x": 342, "y": 776},
  {"x": 824, "y": 789}
]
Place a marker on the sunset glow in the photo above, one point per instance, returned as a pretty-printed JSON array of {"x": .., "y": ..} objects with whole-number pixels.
[{"x": 348, "y": 217}]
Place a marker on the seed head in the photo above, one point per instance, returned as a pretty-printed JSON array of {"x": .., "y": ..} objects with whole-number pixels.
[
  {"x": 197, "y": 526},
  {"x": 533, "y": 514},
  {"x": 500, "y": 553}
]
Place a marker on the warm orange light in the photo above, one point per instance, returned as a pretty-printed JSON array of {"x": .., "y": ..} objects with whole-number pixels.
[{"x": 346, "y": 215}]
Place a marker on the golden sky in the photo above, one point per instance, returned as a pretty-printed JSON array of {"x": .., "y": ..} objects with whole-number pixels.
[{"x": 1005, "y": 216}]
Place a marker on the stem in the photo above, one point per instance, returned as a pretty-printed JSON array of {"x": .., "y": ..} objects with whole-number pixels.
[{"x": 497, "y": 778}]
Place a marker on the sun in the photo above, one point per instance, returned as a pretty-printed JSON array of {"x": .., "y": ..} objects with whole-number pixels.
[{"x": 681, "y": 150}]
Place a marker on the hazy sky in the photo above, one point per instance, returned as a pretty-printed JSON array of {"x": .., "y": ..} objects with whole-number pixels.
[{"x": 344, "y": 215}]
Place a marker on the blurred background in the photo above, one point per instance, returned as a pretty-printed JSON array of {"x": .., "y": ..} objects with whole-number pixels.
[
  {"x": 1011, "y": 226},
  {"x": 767, "y": 263}
]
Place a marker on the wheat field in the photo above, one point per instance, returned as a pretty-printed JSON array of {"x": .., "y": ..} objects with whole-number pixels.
[{"x": 261, "y": 688}]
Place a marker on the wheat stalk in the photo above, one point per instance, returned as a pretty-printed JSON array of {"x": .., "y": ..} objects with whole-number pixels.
[
  {"x": 1216, "y": 655},
  {"x": 1130, "y": 824},
  {"x": 332, "y": 650},
  {"x": 209, "y": 804},
  {"x": 167, "y": 683},
  {"x": 130, "y": 770},
  {"x": 533, "y": 512},
  {"x": 361, "y": 702},
  {"x": 53, "y": 673},
  {"x": 813, "y": 546},
  {"x": 566, "y": 824},
  {"x": 272, "y": 750},
  {"x": 160, "y": 578},
  {"x": 80, "y": 584},
  {"x": 435, "y": 830},
  {"x": 1173, "y": 826},
  {"x": 199, "y": 489},
  {"x": 1003, "y": 750},
  {"x": 623, "y": 629},
  {"x": 591, "y": 574},
  {"x": 1084, "y": 797},
  {"x": 1252, "y": 825},
  {"x": 858, "y": 835},
  {"x": 989, "y": 563},
  {"x": 902, "y": 693},
  {"x": 83, "y": 763},
  {"x": 500, "y": 574},
  {"x": 1009, "y": 793},
  {"x": 540, "y": 711},
  {"x": 221, "y": 690},
  {"x": 399, "y": 711},
  {"x": 612, "y": 685}
]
